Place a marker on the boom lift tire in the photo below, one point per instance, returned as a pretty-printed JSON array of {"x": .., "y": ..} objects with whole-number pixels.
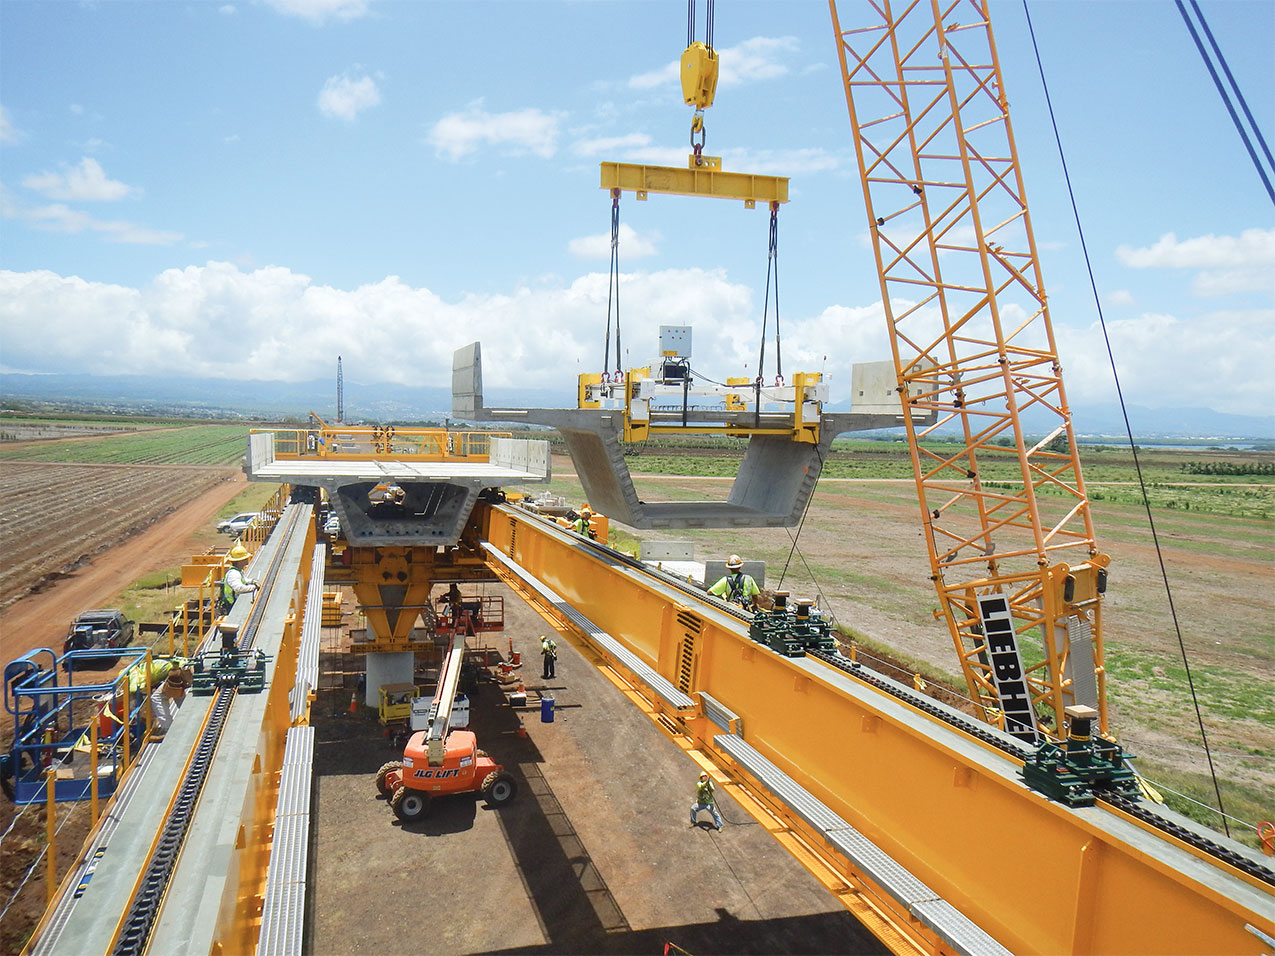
[
  {"x": 382, "y": 785},
  {"x": 499, "y": 788},
  {"x": 410, "y": 806}
]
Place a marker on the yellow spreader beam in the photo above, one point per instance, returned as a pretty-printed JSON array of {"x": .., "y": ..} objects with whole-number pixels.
[{"x": 707, "y": 179}]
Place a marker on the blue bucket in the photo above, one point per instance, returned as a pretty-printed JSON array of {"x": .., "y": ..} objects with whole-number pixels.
[{"x": 546, "y": 710}]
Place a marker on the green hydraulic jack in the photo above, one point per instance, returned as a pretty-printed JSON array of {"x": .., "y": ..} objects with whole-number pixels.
[
  {"x": 792, "y": 634},
  {"x": 1086, "y": 764}
]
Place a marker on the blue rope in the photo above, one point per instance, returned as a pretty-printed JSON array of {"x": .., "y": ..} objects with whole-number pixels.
[
  {"x": 1164, "y": 574},
  {"x": 1226, "y": 100}
]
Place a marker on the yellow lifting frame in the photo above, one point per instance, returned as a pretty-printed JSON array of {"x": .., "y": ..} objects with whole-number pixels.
[
  {"x": 1047, "y": 878},
  {"x": 708, "y": 179}
]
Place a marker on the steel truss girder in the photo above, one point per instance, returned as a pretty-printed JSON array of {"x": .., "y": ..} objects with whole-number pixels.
[{"x": 971, "y": 333}]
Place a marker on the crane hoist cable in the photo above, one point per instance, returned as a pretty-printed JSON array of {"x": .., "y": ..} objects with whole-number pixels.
[
  {"x": 772, "y": 266},
  {"x": 1137, "y": 465},
  {"x": 699, "y": 74},
  {"x": 613, "y": 287}
]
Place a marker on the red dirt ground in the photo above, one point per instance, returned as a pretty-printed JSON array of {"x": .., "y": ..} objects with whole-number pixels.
[{"x": 40, "y": 620}]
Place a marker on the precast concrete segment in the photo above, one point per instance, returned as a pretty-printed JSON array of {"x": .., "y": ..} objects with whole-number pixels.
[
  {"x": 775, "y": 481},
  {"x": 86, "y": 915},
  {"x": 439, "y": 495},
  {"x": 188, "y": 919}
]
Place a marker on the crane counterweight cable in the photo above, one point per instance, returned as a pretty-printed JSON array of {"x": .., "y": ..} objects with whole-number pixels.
[{"x": 1128, "y": 428}]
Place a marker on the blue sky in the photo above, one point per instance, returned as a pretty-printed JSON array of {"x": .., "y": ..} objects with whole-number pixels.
[{"x": 245, "y": 190}]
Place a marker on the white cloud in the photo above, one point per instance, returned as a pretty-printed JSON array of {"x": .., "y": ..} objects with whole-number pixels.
[
  {"x": 58, "y": 217},
  {"x": 86, "y": 182},
  {"x": 345, "y": 96},
  {"x": 319, "y": 11},
  {"x": 1224, "y": 360},
  {"x": 755, "y": 59},
  {"x": 1226, "y": 264},
  {"x": 285, "y": 326},
  {"x": 609, "y": 145},
  {"x": 8, "y": 134},
  {"x": 632, "y": 246},
  {"x": 227, "y": 9},
  {"x": 779, "y": 162},
  {"x": 459, "y": 134},
  {"x": 1120, "y": 297}
]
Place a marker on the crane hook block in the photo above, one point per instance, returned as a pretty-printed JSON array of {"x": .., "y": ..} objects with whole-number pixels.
[{"x": 699, "y": 75}]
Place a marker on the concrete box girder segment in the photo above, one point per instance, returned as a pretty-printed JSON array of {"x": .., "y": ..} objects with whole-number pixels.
[
  {"x": 774, "y": 484},
  {"x": 439, "y": 495}
]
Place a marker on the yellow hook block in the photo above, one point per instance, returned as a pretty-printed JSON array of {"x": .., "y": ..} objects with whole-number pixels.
[{"x": 699, "y": 75}]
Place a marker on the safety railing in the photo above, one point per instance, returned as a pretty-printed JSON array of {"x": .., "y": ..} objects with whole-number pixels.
[{"x": 387, "y": 441}]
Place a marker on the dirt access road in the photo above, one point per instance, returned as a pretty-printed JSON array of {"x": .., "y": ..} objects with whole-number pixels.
[{"x": 41, "y": 619}]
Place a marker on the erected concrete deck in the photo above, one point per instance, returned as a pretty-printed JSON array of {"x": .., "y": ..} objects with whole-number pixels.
[
  {"x": 595, "y": 855},
  {"x": 436, "y": 497},
  {"x": 317, "y": 471}
]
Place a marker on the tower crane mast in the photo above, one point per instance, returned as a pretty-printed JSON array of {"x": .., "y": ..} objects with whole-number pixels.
[{"x": 1007, "y": 520}]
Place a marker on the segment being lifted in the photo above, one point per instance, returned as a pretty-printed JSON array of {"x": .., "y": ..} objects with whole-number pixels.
[
  {"x": 404, "y": 487},
  {"x": 788, "y": 434}
]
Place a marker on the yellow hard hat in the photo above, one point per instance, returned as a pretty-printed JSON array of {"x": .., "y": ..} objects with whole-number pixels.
[
  {"x": 734, "y": 562},
  {"x": 585, "y": 511},
  {"x": 239, "y": 553}
]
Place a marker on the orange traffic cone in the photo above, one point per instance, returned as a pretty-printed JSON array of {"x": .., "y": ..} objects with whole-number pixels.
[
  {"x": 354, "y": 704},
  {"x": 522, "y": 730}
]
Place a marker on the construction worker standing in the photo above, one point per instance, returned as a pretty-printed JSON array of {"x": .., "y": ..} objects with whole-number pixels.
[
  {"x": 705, "y": 800},
  {"x": 736, "y": 586},
  {"x": 549, "y": 651},
  {"x": 581, "y": 524},
  {"x": 234, "y": 583}
]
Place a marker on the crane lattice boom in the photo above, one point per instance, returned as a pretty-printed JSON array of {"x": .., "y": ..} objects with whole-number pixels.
[{"x": 1010, "y": 537}]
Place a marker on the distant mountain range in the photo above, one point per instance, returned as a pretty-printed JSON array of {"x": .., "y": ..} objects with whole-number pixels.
[{"x": 275, "y": 401}]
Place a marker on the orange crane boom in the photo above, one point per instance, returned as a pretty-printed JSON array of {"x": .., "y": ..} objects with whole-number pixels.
[{"x": 1011, "y": 542}]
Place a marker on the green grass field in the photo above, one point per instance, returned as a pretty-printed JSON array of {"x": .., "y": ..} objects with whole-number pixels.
[{"x": 184, "y": 444}]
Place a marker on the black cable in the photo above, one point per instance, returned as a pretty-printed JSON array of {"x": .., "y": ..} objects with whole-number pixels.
[
  {"x": 823, "y": 602},
  {"x": 772, "y": 265},
  {"x": 1226, "y": 100},
  {"x": 1164, "y": 574},
  {"x": 613, "y": 285}
]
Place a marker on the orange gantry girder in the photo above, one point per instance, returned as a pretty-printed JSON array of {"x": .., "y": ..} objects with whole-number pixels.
[{"x": 972, "y": 342}]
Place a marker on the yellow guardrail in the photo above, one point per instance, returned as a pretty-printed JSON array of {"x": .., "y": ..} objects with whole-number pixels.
[{"x": 406, "y": 444}]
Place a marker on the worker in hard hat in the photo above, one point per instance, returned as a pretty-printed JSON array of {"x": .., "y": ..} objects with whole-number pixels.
[
  {"x": 735, "y": 586},
  {"x": 705, "y": 800},
  {"x": 549, "y": 651},
  {"x": 581, "y": 525},
  {"x": 234, "y": 583},
  {"x": 168, "y": 697}
]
